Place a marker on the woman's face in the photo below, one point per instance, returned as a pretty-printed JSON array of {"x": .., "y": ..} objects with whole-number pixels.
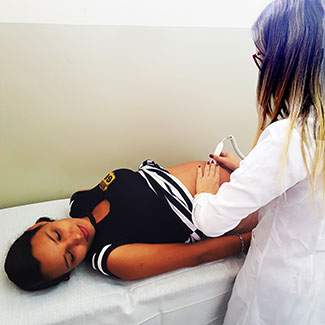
[{"x": 61, "y": 245}]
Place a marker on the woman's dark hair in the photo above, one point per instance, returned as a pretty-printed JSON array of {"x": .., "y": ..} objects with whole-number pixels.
[{"x": 23, "y": 268}]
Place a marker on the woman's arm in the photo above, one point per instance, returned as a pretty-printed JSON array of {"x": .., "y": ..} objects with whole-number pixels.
[
  {"x": 138, "y": 261},
  {"x": 260, "y": 178}
]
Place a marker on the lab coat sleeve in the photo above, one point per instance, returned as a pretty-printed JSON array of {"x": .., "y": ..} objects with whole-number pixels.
[{"x": 258, "y": 180}]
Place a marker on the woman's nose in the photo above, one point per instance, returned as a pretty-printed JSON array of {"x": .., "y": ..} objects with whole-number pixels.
[{"x": 74, "y": 238}]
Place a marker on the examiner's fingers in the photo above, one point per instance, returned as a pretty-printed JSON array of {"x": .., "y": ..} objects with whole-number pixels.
[
  {"x": 213, "y": 169},
  {"x": 216, "y": 158},
  {"x": 207, "y": 169},
  {"x": 217, "y": 172},
  {"x": 199, "y": 171}
]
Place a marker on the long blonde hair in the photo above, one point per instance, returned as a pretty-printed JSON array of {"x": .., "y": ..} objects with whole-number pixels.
[{"x": 289, "y": 37}]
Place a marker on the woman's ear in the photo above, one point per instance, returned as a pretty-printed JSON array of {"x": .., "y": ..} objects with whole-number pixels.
[{"x": 38, "y": 224}]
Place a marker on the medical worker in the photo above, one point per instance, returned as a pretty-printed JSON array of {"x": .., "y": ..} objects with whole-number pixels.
[{"x": 282, "y": 279}]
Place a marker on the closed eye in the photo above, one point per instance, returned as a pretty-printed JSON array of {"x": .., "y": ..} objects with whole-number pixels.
[
  {"x": 72, "y": 257},
  {"x": 58, "y": 235}
]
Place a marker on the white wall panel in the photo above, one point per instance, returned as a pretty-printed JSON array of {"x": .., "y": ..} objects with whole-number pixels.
[
  {"x": 79, "y": 101},
  {"x": 212, "y": 13}
]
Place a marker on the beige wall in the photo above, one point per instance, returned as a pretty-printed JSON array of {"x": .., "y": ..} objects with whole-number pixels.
[{"x": 78, "y": 101}]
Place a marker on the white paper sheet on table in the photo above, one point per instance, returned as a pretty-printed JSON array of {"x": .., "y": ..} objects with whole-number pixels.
[{"x": 188, "y": 296}]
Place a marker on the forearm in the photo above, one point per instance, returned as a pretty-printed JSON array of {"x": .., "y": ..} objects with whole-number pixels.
[
  {"x": 137, "y": 261},
  {"x": 220, "y": 247}
]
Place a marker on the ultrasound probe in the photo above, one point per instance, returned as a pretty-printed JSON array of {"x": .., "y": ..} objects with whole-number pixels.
[{"x": 234, "y": 144}]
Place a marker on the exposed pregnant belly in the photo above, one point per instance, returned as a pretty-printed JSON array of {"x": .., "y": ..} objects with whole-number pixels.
[{"x": 187, "y": 173}]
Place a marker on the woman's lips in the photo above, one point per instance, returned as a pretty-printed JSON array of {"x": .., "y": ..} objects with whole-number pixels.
[{"x": 84, "y": 231}]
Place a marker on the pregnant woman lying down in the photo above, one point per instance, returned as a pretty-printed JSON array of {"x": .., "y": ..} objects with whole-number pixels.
[{"x": 132, "y": 225}]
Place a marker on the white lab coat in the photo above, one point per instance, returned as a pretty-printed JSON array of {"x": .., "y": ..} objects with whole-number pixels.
[{"x": 282, "y": 279}]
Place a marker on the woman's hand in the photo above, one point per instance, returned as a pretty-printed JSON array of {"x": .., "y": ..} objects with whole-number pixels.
[
  {"x": 208, "y": 179},
  {"x": 227, "y": 159}
]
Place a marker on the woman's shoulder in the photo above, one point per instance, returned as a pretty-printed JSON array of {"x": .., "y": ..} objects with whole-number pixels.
[
  {"x": 278, "y": 126},
  {"x": 278, "y": 131},
  {"x": 82, "y": 203},
  {"x": 274, "y": 132}
]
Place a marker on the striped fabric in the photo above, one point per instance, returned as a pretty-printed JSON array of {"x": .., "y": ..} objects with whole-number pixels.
[
  {"x": 176, "y": 197},
  {"x": 99, "y": 260},
  {"x": 171, "y": 190}
]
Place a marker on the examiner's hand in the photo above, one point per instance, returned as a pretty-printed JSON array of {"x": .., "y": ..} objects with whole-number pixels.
[
  {"x": 207, "y": 179},
  {"x": 227, "y": 159}
]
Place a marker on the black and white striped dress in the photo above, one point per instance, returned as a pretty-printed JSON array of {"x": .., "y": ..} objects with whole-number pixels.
[
  {"x": 173, "y": 191},
  {"x": 147, "y": 206}
]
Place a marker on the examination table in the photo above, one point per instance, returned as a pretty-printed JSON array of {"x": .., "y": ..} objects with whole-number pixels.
[{"x": 191, "y": 296}]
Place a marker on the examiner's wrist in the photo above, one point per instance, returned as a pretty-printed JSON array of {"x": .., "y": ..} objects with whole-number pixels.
[
  {"x": 242, "y": 245},
  {"x": 201, "y": 193},
  {"x": 245, "y": 239}
]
